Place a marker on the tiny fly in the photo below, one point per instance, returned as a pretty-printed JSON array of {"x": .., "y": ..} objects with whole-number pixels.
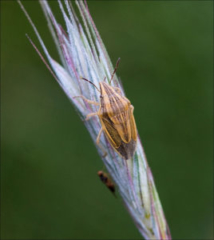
[{"x": 107, "y": 181}]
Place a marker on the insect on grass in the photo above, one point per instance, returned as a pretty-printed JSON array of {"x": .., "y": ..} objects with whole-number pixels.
[
  {"x": 83, "y": 52},
  {"x": 106, "y": 180},
  {"x": 116, "y": 117}
]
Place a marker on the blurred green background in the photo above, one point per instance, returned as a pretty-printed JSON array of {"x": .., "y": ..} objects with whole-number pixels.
[{"x": 49, "y": 186}]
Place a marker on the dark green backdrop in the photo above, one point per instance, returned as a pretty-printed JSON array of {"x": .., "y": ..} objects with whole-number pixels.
[{"x": 49, "y": 186}]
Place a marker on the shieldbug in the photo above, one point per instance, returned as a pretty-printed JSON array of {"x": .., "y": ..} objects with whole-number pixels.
[
  {"x": 106, "y": 180},
  {"x": 116, "y": 117}
]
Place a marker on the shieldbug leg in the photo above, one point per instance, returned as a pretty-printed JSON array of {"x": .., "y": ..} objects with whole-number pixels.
[
  {"x": 132, "y": 108},
  {"x": 90, "y": 102},
  {"x": 98, "y": 136},
  {"x": 98, "y": 142},
  {"x": 87, "y": 100},
  {"x": 91, "y": 115}
]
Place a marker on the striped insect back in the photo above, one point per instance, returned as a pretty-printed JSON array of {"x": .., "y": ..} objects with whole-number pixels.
[{"x": 117, "y": 120}]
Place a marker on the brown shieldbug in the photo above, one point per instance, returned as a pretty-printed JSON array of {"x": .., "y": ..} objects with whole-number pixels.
[{"x": 116, "y": 117}]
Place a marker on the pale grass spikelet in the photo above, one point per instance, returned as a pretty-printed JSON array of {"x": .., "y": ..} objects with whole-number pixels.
[{"x": 83, "y": 54}]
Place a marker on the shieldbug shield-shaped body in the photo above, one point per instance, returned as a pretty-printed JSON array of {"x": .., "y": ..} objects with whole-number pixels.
[{"x": 116, "y": 117}]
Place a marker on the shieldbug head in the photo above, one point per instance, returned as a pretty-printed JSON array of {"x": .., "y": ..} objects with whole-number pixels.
[{"x": 116, "y": 118}]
